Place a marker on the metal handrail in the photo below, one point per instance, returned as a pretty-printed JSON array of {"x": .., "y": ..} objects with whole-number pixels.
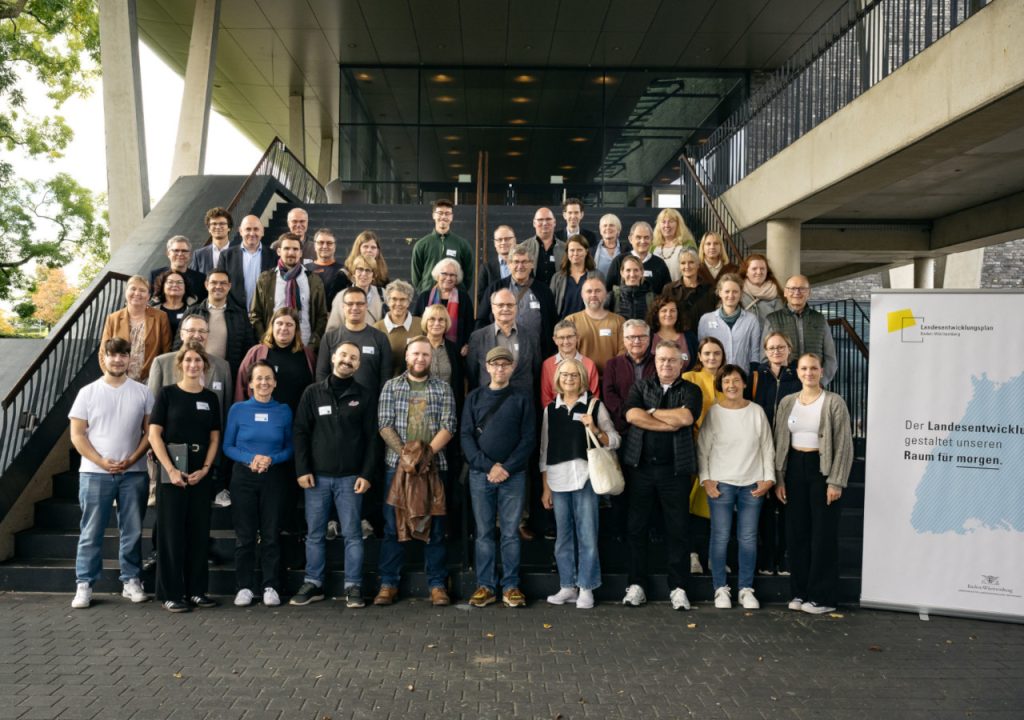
[
  {"x": 862, "y": 44},
  {"x": 711, "y": 214},
  {"x": 281, "y": 164},
  {"x": 73, "y": 345}
]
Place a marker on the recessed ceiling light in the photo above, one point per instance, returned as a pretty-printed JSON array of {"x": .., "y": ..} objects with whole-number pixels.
[
  {"x": 524, "y": 78},
  {"x": 353, "y": 46},
  {"x": 664, "y": 180},
  {"x": 445, "y": 99},
  {"x": 514, "y": 153},
  {"x": 579, "y": 139},
  {"x": 604, "y": 80},
  {"x": 516, "y": 138},
  {"x": 365, "y": 77},
  {"x": 511, "y": 178},
  {"x": 517, "y": 121},
  {"x": 520, "y": 100},
  {"x": 452, "y": 137},
  {"x": 455, "y": 165},
  {"x": 454, "y": 152},
  {"x": 566, "y": 167},
  {"x": 442, "y": 78}
]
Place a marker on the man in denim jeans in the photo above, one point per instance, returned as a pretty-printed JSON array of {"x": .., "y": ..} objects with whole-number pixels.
[
  {"x": 414, "y": 406},
  {"x": 109, "y": 425},
  {"x": 336, "y": 448},
  {"x": 498, "y": 435}
]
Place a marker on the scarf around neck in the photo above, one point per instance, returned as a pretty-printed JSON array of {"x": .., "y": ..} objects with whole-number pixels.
[
  {"x": 292, "y": 296},
  {"x": 453, "y": 310}
]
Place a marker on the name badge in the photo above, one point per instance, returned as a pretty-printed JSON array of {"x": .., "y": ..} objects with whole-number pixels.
[
  {"x": 324, "y": 409},
  {"x": 713, "y": 324},
  {"x": 262, "y": 417},
  {"x": 535, "y": 305},
  {"x": 577, "y": 417},
  {"x": 451, "y": 253},
  {"x": 200, "y": 405},
  {"x": 180, "y": 315},
  {"x": 551, "y": 258},
  {"x": 648, "y": 273},
  {"x": 216, "y": 385},
  {"x": 369, "y": 349},
  {"x": 276, "y": 369},
  {"x": 605, "y": 332},
  {"x": 516, "y": 346},
  {"x": 353, "y": 403}
]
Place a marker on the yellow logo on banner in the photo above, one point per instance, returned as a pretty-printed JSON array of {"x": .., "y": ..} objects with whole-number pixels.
[{"x": 900, "y": 319}]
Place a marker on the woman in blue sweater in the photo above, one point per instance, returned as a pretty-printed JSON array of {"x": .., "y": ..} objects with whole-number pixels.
[{"x": 259, "y": 439}]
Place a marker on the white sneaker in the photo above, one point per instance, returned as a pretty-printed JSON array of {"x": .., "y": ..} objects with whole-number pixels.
[
  {"x": 563, "y": 596},
  {"x": 270, "y": 597},
  {"x": 586, "y": 600},
  {"x": 333, "y": 530},
  {"x": 695, "y": 567},
  {"x": 83, "y": 596},
  {"x": 747, "y": 599},
  {"x": 679, "y": 599},
  {"x": 815, "y": 609},
  {"x": 134, "y": 591},
  {"x": 635, "y": 596},
  {"x": 723, "y": 598},
  {"x": 367, "y": 528},
  {"x": 796, "y": 604},
  {"x": 243, "y": 598},
  {"x": 222, "y": 499}
]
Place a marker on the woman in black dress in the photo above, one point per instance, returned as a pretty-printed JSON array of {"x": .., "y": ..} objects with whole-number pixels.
[{"x": 184, "y": 432}]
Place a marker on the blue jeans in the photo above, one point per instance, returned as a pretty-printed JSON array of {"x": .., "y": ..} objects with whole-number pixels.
[
  {"x": 748, "y": 511},
  {"x": 339, "y": 491},
  {"x": 505, "y": 501},
  {"x": 96, "y": 495},
  {"x": 392, "y": 552},
  {"x": 576, "y": 523}
]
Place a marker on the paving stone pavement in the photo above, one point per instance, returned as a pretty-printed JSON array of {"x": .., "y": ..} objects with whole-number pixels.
[{"x": 410, "y": 661}]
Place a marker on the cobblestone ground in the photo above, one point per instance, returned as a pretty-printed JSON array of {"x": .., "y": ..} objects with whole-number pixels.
[{"x": 117, "y": 660}]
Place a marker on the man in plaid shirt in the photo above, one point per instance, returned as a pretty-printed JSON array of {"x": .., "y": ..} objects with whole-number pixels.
[{"x": 414, "y": 406}]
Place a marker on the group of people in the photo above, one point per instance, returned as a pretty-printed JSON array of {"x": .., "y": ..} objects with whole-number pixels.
[{"x": 251, "y": 373}]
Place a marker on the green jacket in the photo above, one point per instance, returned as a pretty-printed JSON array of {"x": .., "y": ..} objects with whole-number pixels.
[
  {"x": 263, "y": 306},
  {"x": 431, "y": 248}
]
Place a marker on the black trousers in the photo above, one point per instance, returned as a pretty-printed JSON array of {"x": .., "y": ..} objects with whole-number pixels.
[
  {"x": 771, "y": 553},
  {"x": 812, "y": 531},
  {"x": 651, "y": 485},
  {"x": 183, "y": 515},
  {"x": 258, "y": 504}
]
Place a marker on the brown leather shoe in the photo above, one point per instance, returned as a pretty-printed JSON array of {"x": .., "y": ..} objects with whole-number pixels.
[
  {"x": 526, "y": 533},
  {"x": 386, "y": 596},
  {"x": 439, "y": 597}
]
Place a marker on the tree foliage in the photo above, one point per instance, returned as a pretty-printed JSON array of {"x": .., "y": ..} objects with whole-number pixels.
[
  {"x": 56, "y": 43},
  {"x": 52, "y": 295}
]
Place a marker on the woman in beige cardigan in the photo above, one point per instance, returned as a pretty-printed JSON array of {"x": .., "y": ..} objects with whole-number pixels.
[
  {"x": 813, "y": 456},
  {"x": 146, "y": 328}
]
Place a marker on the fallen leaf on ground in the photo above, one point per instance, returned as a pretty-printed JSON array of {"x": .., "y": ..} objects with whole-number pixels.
[
  {"x": 692, "y": 626},
  {"x": 490, "y": 635},
  {"x": 432, "y": 645},
  {"x": 875, "y": 648},
  {"x": 410, "y": 688},
  {"x": 547, "y": 626},
  {"x": 838, "y": 616},
  {"x": 177, "y": 675}
]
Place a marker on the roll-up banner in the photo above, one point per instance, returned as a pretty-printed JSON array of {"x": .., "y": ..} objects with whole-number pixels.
[{"x": 944, "y": 491}]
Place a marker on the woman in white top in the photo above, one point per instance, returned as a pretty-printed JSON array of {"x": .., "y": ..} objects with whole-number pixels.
[
  {"x": 564, "y": 470},
  {"x": 738, "y": 330},
  {"x": 670, "y": 237},
  {"x": 813, "y": 456},
  {"x": 736, "y": 461}
]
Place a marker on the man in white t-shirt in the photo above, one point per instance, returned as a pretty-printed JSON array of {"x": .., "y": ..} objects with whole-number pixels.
[{"x": 109, "y": 424}]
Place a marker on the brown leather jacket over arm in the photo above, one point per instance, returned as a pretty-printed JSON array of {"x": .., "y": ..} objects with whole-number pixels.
[{"x": 417, "y": 493}]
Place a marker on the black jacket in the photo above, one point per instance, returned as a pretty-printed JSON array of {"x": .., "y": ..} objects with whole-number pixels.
[
  {"x": 647, "y": 394},
  {"x": 333, "y": 438}
]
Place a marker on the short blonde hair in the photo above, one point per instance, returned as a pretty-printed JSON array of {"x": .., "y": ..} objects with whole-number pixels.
[
  {"x": 437, "y": 310},
  {"x": 580, "y": 370}
]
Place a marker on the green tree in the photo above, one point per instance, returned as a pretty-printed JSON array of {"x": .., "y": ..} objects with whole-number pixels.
[
  {"x": 50, "y": 222},
  {"x": 52, "y": 295}
]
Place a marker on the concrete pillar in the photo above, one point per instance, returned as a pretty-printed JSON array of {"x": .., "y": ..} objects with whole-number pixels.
[
  {"x": 783, "y": 248},
  {"x": 963, "y": 269},
  {"x": 127, "y": 173},
  {"x": 924, "y": 273},
  {"x": 190, "y": 145},
  {"x": 323, "y": 173},
  {"x": 297, "y": 127}
]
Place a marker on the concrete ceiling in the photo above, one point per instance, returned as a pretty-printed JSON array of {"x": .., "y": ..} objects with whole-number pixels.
[{"x": 271, "y": 49}]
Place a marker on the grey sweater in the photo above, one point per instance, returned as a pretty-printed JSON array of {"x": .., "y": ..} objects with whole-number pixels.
[{"x": 834, "y": 437}]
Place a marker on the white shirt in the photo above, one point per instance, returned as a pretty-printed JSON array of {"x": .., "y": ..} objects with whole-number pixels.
[
  {"x": 735, "y": 446},
  {"x": 113, "y": 418}
]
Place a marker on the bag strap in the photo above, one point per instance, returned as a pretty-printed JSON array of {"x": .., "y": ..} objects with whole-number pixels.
[
  {"x": 482, "y": 423},
  {"x": 590, "y": 435}
]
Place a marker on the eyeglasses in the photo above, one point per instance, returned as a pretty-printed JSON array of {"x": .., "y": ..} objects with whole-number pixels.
[
  {"x": 563, "y": 338},
  {"x": 569, "y": 375},
  {"x": 635, "y": 338},
  {"x": 217, "y": 283},
  {"x": 777, "y": 348},
  {"x": 499, "y": 365},
  {"x": 174, "y": 283},
  {"x": 503, "y": 306},
  {"x": 178, "y": 251},
  {"x": 218, "y": 225},
  {"x": 797, "y": 290},
  {"x": 449, "y": 275},
  {"x": 511, "y": 238},
  {"x": 443, "y": 213},
  {"x": 194, "y": 331},
  {"x": 353, "y": 304},
  {"x": 363, "y": 270}
]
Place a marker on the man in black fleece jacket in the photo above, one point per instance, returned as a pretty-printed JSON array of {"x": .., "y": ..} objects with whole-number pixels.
[
  {"x": 336, "y": 448},
  {"x": 498, "y": 434}
]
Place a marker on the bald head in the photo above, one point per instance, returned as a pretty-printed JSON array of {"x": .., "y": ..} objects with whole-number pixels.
[{"x": 251, "y": 230}]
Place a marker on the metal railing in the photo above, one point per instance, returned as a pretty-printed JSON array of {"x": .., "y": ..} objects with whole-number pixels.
[
  {"x": 279, "y": 163},
  {"x": 850, "y": 325},
  {"x": 709, "y": 212},
  {"x": 73, "y": 345},
  {"x": 862, "y": 44}
]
